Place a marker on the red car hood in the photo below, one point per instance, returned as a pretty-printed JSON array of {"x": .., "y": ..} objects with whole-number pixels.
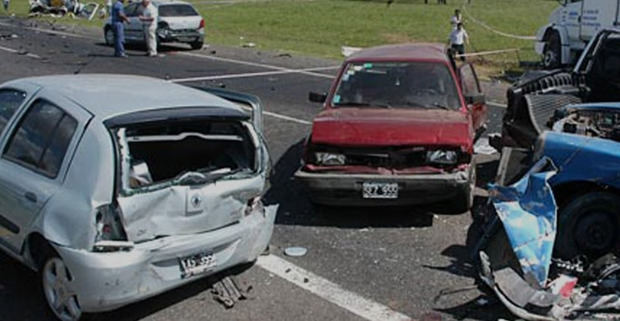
[{"x": 392, "y": 127}]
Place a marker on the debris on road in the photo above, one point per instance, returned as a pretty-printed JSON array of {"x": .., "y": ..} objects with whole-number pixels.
[
  {"x": 228, "y": 291},
  {"x": 58, "y": 8},
  {"x": 248, "y": 45},
  {"x": 517, "y": 257},
  {"x": 483, "y": 147},
  {"x": 295, "y": 251}
]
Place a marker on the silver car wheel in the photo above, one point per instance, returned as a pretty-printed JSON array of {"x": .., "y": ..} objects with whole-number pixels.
[{"x": 58, "y": 290}]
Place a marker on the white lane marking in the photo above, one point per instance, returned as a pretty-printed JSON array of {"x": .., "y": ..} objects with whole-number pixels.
[
  {"x": 17, "y": 52},
  {"x": 256, "y": 64},
  {"x": 495, "y": 104},
  {"x": 253, "y": 74},
  {"x": 363, "y": 307},
  {"x": 284, "y": 117}
]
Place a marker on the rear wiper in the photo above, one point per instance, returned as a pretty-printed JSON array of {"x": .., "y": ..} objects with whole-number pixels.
[{"x": 198, "y": 177}]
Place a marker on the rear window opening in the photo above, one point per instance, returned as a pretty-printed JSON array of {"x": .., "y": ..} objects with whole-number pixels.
[
  {"x": 187, "y": 152},
  {"x": 177, "y": 10}
]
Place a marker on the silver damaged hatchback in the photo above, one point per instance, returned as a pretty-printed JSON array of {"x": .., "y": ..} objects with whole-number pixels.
[{"x": 117, "y": 188}]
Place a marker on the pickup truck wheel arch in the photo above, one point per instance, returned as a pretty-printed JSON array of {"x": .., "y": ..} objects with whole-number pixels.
[{"x": 552, "y": 55}]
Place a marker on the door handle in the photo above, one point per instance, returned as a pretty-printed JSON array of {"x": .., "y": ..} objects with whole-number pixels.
[{"x": 31, "y": 197}]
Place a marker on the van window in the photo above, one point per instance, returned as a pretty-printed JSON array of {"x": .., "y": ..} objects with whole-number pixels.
[
  {"x": 177, "y": 10},
  {"x": 41, "y": 139}
]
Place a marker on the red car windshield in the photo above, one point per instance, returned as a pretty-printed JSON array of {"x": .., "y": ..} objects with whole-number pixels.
[{"x": 397, "y": 85}]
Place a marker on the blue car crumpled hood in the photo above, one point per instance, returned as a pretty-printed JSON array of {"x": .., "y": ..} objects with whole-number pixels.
[{"x": 528, "y": 212}]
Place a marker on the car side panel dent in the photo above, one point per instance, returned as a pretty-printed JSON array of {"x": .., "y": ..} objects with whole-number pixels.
[
  {"x": 89, "y": 183},
  {"x": 583, "y": 158}
]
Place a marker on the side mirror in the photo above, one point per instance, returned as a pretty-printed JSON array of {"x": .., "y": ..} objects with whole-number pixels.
[
  {"x": 317, "y": 97},
  {"x": 475, "y": 99}
]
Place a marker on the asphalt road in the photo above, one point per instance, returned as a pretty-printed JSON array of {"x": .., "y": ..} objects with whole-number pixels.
[{"x": 408, "y": 260}]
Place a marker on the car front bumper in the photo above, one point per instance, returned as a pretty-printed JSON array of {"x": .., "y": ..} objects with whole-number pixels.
[
  {"x": 105, "y": 281},
  {"x": 345, "y": 189}
]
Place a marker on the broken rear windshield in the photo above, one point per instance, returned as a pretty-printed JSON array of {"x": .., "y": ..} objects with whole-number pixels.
[
  {"x": 177, "y": 10},
  {"x": 397, "y": 85}
]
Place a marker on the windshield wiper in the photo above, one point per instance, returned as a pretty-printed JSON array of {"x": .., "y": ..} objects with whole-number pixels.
[
  {"x": 364, "y": 104},
  {"x": 438, "y": 105}
]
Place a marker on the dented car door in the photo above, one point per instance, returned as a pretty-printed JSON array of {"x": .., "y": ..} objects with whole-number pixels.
[{"x": 34, "y": 159}]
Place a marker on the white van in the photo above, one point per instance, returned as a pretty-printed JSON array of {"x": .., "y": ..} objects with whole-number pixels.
[{"x": 570, "y": 28}]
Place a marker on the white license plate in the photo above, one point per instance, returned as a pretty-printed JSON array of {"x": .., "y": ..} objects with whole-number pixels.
[
  {"x": 380, "y": 190},
  {"x": 197, "y": 264},
  {"x": 186, "y": 39}
]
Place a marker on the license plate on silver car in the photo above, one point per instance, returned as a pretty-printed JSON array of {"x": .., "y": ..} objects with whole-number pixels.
[
  {"x": 380, "y": 190},
  {"x": 196, "y": 264}
]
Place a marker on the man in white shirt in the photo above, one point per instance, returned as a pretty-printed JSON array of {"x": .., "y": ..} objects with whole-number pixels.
[
  {"x": 458, "y": 38},
  {"x": 149, "y": 23},
  {"x": 456, "y": 19}
]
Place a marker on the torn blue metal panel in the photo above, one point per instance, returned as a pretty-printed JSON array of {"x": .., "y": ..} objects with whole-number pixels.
[{"x": 527, "y": 210}]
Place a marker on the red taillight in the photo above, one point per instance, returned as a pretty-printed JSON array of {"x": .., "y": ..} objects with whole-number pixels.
[{"x": 202, "y": 24}]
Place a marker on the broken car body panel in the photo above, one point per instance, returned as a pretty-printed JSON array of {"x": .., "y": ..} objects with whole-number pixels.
[
  {"x": 528, "y": 212},
  {"x": 126, "y": 213}
]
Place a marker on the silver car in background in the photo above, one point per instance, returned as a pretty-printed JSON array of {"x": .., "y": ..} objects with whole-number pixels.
[
  {"x": 117, "y": 188},
  {"x": 178, "y": 22}
]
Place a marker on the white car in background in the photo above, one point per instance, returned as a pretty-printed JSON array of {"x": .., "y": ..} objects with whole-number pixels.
[{"x": 178, "y": 22}]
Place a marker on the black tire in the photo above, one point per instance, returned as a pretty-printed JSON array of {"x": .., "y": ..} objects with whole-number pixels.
[
  {"x": 108, "y": 36},
  {"x": 196, "y": 44},
  {"x": 588, "y": 225},
  {"x": 552, "y": 54}
]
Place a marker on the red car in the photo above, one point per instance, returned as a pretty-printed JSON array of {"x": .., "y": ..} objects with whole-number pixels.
[{"x": 398, "y": 128}]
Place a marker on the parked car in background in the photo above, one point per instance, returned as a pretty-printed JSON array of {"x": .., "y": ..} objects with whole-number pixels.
[
  {"x": 118, "y": 193},
  {"x": 397, "y": 128},
  {"x": 178, "y": 21}
]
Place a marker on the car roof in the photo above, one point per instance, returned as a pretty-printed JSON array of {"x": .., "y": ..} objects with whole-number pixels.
[
  {"x": 109, "y": 95},
  {"x": 408, "y": 51}
]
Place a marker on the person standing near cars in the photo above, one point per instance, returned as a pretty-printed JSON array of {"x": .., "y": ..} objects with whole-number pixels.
[
  {"x": 118, "y": 18},
  {"x": 149, "y": 23},
  {"x": 458, "y": 38},
  {"x": 456, "y": 19}
]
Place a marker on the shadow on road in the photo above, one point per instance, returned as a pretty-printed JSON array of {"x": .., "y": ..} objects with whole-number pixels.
[{"x": 21, "y": 297}]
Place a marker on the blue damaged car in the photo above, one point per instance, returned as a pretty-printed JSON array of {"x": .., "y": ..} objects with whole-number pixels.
[
  {"x": 584, "y": 145},
  {"x": 551, "y": 248}
]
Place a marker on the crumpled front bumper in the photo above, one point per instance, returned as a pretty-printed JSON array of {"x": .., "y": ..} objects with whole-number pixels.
[
  {"x": 105, "y": 281},
  {"x": 345, "y": 189}
]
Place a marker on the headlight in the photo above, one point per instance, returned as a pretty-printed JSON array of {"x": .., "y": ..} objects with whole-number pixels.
[
  {"x": 447, "y": 157},
  {"x": 329, "y": 159}
]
